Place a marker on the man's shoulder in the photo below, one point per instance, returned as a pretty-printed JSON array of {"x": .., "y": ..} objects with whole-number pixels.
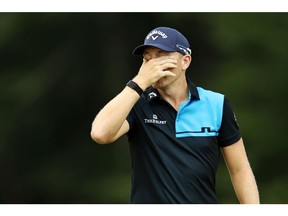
[{"x": 208, "y": 93}]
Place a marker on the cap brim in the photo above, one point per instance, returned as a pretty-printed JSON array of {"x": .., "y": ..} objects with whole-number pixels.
[{"x": 139, "y": 50}]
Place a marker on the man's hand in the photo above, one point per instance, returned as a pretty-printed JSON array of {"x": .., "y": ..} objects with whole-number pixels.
[{"x": 153, "y": 70}]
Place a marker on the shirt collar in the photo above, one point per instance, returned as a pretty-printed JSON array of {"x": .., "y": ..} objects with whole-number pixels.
[
  {"x": 152, "y": 93},
  {"x": 192, "y": 90}
]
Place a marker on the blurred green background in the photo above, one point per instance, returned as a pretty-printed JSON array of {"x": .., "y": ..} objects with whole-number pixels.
[{"x": 57, "y": 70}]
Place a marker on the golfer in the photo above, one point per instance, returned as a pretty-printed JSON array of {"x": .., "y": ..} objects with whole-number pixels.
[{"x": 177, "y": 131}]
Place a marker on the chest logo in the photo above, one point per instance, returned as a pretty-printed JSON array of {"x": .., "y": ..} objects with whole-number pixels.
[{"x": 154, "y": 120}]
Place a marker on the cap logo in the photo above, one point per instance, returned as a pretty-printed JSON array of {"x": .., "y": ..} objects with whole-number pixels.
[
  {"x": 186, "y": 50},
  {"x": 154, "y": 38},
  {"x": 158, "y": 33}
]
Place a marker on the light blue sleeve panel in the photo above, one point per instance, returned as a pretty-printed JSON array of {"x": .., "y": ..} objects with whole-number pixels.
[{"x": 200, "y": 118}]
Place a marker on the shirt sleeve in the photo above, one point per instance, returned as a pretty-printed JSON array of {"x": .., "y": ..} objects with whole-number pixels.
[
  {"x": 130, "y": 118},
  {"x": 229, "y": 132},
  {"x": 131, "y": 121}
]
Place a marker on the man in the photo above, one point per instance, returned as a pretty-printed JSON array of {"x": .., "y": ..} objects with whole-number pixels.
[{"x": 176, "y": 130}]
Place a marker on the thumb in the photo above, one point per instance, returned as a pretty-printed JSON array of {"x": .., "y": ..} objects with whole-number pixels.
[{"x": 144, "y": 61}]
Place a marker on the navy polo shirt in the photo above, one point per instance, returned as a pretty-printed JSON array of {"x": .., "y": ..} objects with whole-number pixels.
[{"x": 175, "y": 154}]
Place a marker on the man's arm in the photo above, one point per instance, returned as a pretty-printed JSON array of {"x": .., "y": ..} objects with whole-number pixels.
[
  {"x": 110, "y": 123},
  {"x": 241, "y": 174}
]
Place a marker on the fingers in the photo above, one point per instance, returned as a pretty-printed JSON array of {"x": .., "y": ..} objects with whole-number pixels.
[
  {"x": 164, "y": 60},
  {"x": 153, "y": 70},
  {"x": 161, "y": 63},
  {"x": 161, "y": 60},
  {"x": 168, "y": 73}
]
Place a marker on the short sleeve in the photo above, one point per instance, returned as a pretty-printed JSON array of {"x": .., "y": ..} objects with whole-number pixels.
[
  {"x": 130, "y": 119},
  {"x": 229, "y": 132}
]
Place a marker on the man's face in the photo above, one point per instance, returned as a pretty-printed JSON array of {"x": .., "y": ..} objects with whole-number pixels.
[{"x": 152, "y": 52}]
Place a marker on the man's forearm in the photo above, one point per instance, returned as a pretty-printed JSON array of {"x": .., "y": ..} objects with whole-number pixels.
[
  {"x": 245, "y": 187},
  {"x": 109, "y": 120}
]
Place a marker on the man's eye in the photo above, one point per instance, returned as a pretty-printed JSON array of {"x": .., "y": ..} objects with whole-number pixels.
[{"x": 163, "y": 53}]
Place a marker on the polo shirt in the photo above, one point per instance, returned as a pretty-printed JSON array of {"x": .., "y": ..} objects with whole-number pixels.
[{"x": 175, "y": 154}]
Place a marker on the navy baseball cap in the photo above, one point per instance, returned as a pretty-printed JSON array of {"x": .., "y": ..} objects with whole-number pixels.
[{"x": 167, "y": 39}]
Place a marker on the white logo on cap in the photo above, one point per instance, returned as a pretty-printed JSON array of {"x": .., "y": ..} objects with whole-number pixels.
[
  {"x": 162, "y": 34},
  {"x": 154, "y": 38},
  {"x": 186, "y": 50}
]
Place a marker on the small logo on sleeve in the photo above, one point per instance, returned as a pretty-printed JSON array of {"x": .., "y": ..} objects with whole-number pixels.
[{"x": 235, "y": 119}]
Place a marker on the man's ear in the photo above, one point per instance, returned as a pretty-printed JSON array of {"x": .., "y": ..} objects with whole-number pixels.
[{"x": 186, "y": 60}]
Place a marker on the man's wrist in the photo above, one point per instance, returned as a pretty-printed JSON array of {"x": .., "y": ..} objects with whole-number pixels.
[{"x": 133, "y": 85}]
